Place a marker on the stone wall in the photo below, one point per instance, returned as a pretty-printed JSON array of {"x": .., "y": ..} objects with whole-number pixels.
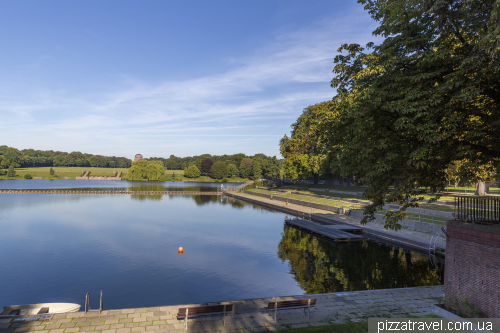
[{"x": 472, "y": 266}]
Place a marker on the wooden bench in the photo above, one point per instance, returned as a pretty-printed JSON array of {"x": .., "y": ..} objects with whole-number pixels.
[
  {"x": 305, "y": 304},
  {"x": 197, "y": 311}
]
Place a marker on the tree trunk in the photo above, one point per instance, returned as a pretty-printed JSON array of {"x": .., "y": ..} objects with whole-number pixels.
[
  {"x": 316, "y": 179},
  {"x": 480, "y": 188}
]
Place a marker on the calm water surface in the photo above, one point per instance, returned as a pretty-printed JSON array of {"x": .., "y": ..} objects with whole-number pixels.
[
  {"x": 43, "y": 184},
  {"x": 57, "y": 247}
]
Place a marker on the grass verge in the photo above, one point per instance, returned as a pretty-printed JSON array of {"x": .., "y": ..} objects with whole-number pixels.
[{"x": 360, "y": 327}]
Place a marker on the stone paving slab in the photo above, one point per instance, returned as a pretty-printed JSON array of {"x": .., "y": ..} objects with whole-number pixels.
[{"x": 249, "y": 315}]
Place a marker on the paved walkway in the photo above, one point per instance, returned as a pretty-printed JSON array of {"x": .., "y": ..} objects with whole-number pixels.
[
  {"x": 249, "y": 314},
  {"x": 415, "y": 235}
]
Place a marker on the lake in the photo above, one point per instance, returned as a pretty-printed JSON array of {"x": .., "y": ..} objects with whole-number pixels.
[{"x": 56, "y": 248}]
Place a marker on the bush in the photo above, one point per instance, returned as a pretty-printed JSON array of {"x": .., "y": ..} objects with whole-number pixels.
[
  {"x": 51, "y": 172},
  {"x": 192, "y": 172},
  {"x": 218, "y": 170},
  {"x": 224, "y": 180},
  {"x": 27, "y": 176}
]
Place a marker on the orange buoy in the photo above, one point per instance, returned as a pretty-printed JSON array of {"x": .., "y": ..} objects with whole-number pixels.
[
  {"x": 161, "y": 198},
  {"x": 181, "y": 249}
]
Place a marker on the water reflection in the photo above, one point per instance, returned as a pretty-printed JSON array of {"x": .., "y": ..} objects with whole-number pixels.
[
  {"x": 320, "y": 266},
  {"x": 128, "y": 247},
  {"x": 110, "y": 185}
]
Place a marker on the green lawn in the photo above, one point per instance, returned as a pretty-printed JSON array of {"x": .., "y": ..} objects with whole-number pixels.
[
  {"x": 73, "y": 172},
  {"x": 329, "y": 202},
  {"x": 360, "y": 327},
  {"x": 329, "y": 187},
  {"x": 70, "y": 172}
]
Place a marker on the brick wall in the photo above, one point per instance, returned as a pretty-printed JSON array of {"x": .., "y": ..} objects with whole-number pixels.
[{"x": 472, "y": 266}]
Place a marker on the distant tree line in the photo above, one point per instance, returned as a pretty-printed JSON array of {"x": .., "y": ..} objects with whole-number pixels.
[
  {"x": 43, "y": 158},
  {"x": 222, "y": 166}
]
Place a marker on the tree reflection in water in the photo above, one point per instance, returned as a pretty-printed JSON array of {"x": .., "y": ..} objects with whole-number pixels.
[
  {"x": 321, "y": 266},
  {"x": 200, "y": 200}
]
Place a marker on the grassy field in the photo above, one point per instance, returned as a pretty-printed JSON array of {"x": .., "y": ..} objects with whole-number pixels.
[
  {"x": 72, "y": 172},
  {"x": 329, "y": 202}
]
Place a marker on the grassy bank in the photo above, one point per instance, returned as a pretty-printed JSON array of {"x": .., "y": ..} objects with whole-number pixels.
[
  {"x": 70, "y": 172},
  {"x": 359, "y": 327},
  {"x": 329, "y": 202},
  {"x": 73, "y": 172}
]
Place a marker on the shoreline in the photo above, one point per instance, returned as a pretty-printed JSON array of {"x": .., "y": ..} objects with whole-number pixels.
[
  {"x": 249, "y": 314},
  {"x": 412, "y": 240}
]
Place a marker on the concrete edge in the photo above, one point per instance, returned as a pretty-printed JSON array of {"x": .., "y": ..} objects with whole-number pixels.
[{"x": 438, "y": 311}]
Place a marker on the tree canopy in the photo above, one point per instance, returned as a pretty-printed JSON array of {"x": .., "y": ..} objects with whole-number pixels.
[
  {"x": 143, "y": 169},
  {"x": 427, "y": 96},
  {"x": 41, "y": 158},
  {"x": 218, "y": 170}
]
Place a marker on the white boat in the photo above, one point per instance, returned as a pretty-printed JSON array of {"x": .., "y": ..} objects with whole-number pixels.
[{"x": 39, "y": 309}]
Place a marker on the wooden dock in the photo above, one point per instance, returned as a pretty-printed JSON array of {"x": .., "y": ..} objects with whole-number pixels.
[
  {"x": 337, "y": 233},
  {"x": 112, "y": 192}
]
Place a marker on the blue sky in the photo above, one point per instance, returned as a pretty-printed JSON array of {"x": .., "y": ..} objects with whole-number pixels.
[{"x": 167, "y": 77}]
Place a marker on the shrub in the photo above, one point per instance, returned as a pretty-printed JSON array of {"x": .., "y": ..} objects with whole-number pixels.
[
  {"x": 218, "y": 170},
  {"x": 224, "y": 180},
  {"x": 206, "y": 166},
  {"x": 192, "y": 172},
  {"x": 51, "y": 172},
  {"x": 27, "y": 176}
]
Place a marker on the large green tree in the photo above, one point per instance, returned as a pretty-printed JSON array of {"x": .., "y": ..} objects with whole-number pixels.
[
  {"x": 427, "y": 95},
  {"x": 305, "y": 150},
  {"x": 138, "y": 170},
  {"x": 218, "y": 170},
  {"x": 155, "y": 170},
  {"x": 246, "y": 168},
  {"x": 232, "y": 170},
  {"x": 192, "y": 172}
]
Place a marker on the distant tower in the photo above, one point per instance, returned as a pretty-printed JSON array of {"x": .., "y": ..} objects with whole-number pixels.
[{"x": 137, "y": 157}]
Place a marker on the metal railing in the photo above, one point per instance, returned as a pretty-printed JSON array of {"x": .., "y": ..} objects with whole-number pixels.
[
  {"x": 234, "y": 189},
  {"x": 477, "y": 209},
  {"x": 433, "y": 219},
  {"x": 87, "y": 303}
]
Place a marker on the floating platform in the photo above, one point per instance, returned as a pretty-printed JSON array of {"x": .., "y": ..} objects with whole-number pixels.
[
  {"x": 347, "y": 228},
  {"x": 333, "y": 232}
]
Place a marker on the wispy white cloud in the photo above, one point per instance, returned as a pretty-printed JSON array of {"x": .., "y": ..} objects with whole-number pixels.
[{"x": 244, "y": 109}]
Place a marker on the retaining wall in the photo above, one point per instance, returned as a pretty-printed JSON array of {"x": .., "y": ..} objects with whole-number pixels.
[{"x": 472, "y": 266}]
